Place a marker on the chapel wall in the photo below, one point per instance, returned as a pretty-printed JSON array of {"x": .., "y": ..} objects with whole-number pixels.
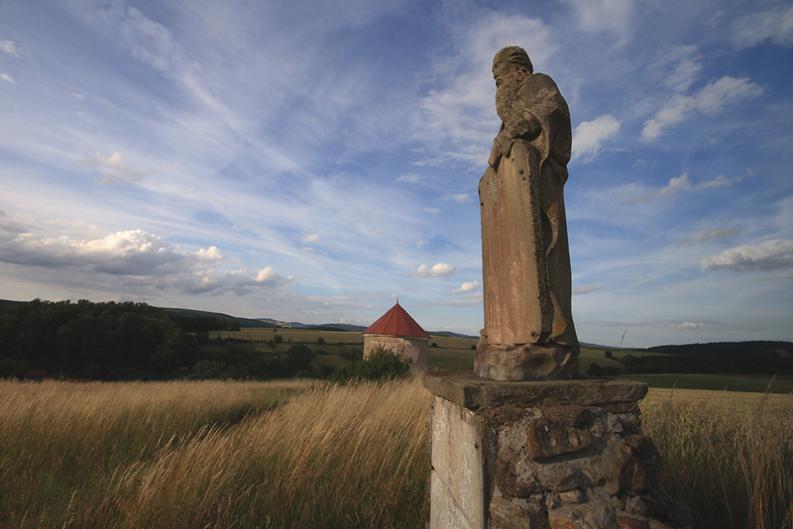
[{"x": 414, "y": 350}]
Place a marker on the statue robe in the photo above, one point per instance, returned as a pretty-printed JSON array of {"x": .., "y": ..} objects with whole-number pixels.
[{"x": 526, "y": 259}]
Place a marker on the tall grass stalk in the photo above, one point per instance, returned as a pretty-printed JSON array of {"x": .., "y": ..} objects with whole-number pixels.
[
  {"x": 61, "y": 442},
  {"x": 216, "y": 455},
  {"x": 729, "y": 455}
]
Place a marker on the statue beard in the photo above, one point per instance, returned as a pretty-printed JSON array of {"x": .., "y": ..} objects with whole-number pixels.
[{"x": 507, "y": 93}]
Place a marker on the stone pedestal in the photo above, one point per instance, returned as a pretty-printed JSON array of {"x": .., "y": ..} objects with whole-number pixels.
[
  {"x": 548, "y": 455},
  {"x": 525, "y": 362}
]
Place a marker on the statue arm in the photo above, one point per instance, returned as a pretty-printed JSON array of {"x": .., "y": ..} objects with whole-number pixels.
[{"x": 526, "y": 126}]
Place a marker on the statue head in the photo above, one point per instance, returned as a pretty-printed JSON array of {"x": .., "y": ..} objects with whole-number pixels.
[{"x": 512, "y": 60}]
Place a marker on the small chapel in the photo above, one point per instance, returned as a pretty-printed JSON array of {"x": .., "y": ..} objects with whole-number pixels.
[{"x": 398, "y": 332}]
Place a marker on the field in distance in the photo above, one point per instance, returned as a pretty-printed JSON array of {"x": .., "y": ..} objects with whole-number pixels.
[{"x": 454, "y": 353}]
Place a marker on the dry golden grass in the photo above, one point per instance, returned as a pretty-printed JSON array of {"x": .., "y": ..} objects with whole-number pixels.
[
  {"x": 181, "y": 455},
  {"x": 61, "y": 442},
  {"x": 729, "y": 454}
]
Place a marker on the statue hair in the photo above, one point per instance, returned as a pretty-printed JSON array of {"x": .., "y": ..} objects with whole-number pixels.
[{"x": 515, "y": 55}]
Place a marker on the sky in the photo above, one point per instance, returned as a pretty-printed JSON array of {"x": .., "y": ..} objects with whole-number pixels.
[{"x": 311, "y": 161}]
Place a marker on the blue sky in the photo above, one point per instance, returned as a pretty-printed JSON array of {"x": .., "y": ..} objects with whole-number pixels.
[{"x": 311, "y": 161}]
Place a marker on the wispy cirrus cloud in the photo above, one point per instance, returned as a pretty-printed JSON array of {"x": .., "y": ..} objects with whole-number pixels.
[
  {"x": 247, "y": 127},
  {"x": 708, "y": 100},
  {"x": 774, "y": 24},
  {"x": 460, "y": 198},
  {"x": 714, "y": 234},
  {"x": 595, "y": 16},
  {"x": 774, "y": 254},
  {"x": 115, "y": 168},
  {"x": 685, "y": 68},
  {"x": 634, "y": 193},
  {"x": 457, "y": 117},
  {"x": 585, "y": 289},
  {"x": 410, "y": 178}
]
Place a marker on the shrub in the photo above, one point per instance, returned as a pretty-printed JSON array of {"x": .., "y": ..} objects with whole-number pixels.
[
  {"x": 382, "y": 364},
  {"x": 352, "y": 353},
  {"x": 298, "y": 358},
  {"x": 10, "y": 368},
  {"x": 207, "y": 369}
]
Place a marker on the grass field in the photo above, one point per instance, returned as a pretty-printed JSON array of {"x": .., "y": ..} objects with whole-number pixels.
[
  {"x": 455, "y": 354},
  {"x": 220, "y": 455},
  {"x": 294, "y": 335},
  {"x": 723, "y": 382}
]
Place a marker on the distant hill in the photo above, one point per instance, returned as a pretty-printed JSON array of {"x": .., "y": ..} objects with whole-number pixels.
[
  {"x": 716, "y": 357},
  {"x": 344, "y": 327},
  {"x": 186, "y": 315},
  {"x": 452, "y": 334},
  {"x": 782, "y": 350}
]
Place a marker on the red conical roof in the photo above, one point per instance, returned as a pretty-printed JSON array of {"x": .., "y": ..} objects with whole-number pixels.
[{"x": 397, "y": 322}]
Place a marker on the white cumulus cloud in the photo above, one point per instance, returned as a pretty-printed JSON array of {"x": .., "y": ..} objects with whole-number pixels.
[
  {"x": 436, "y": 270},
  {"x": 589, "y": 136},
  {"x": 677, "y": 184},
  {"x": 773, "y": 254},
  {"x": 709, "y": 100},
  {"x": 691, "y": 325},
  {"x": 211, "y": 254},
  {"x": 132, "y": 256},
  {"x": 468, "y": 286},
  {"x": 8, "y": 46}
]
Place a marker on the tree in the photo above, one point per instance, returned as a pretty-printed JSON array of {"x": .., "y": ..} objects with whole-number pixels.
[
  {"x": 594, "y": 370},
  {"x": 298, "y": 358}
]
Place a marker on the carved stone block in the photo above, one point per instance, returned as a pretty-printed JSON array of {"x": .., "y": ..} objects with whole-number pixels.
[{"x": 503, "y": 457}]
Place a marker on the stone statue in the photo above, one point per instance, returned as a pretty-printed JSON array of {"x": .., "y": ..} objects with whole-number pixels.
[
  {"x": 529, "y": 332},
  {"x": 509, "y": 449}
]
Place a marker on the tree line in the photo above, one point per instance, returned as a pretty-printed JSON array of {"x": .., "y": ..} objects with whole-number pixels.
[{"x": 122, "y": 341}]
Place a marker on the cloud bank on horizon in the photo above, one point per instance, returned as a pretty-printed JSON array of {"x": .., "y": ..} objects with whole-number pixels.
[{"x": 311, "y": 161}]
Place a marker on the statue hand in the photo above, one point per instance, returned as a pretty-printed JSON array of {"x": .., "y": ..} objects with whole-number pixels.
[
  {"x": 495, "y": 155},
  {"x": 527, "y": 128},
  {"x": 503, "y": 143}
]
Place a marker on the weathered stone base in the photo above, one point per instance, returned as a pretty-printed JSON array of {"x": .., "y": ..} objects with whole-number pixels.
[
  {"x": 525, "y": 362},
  {"x": 549, "y": 455}
]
